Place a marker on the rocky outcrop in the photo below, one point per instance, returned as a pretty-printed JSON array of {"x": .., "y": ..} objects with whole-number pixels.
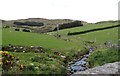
[{"x": 110, "y": 68}]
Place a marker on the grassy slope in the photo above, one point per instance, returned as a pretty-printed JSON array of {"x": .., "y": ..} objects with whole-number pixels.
[
  {"x": 47, "y": 41},
  {"x": 22, "y": 38},
  {"x": 45, "y": 64},
  {"x": 31, "y": 39},
  {"x": 51, "y": 42},
  {"x": 85, "y": 27},
  {"x": 0, "y": 37},
  {"x": 104, "y": 56},
  {"x": 100, "y": 36}
]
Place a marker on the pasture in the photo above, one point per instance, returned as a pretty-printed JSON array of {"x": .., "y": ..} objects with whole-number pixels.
[
  {"x": 33, "y": 39},
  {"x": 70, "y": 49}
]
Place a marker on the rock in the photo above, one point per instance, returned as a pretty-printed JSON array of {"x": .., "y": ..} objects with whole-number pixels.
[
  {"x": 23, "y": 51},
  {"x": 21, "y": 47},
  {"x": 76, "y": 68},
  {"x": 63, "y": 56},
  {"x": 31, "y": 46},
  {"x": 36, "y": 68},
  {"x": 86, "y": 56},
  {"x": 110, "y": 68},
  {"x": 84, "y": 59},
  {"x": 31, "y": 64}
]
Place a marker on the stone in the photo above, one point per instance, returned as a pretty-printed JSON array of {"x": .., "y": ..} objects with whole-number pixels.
[{"x": 110, "y": 68}]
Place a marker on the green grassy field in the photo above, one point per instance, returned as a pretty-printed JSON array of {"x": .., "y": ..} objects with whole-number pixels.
[
  {"x": 85, "y": 27},
  {"x": 67, "y": 48},
  {"x": 48, "y": 41},
  {"x": 101, "y": 57},
  {"x": 40, "y": 63},
  {"x": 99, "y": 36},
  {"x": 32, "y": 39}
]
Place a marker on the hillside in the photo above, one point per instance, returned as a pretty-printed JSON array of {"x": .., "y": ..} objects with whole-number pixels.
[
  {"x": 32, "y": 39},
  {"x": 42, "y": 24},
  {"x": 45, "y": 21},
  {"x": 62, "y": 50}
]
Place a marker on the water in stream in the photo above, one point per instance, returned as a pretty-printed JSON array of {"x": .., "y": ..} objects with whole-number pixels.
[{"x": 81, "y": 64}]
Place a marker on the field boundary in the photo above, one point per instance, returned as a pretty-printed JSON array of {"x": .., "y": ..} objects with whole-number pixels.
[{"x": 92, "y": 30}]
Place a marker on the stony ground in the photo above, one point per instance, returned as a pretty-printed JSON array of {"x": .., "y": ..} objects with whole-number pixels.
[{"x": 110, "y": 68}]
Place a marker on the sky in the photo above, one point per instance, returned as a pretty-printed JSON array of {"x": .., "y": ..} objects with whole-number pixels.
[{"x": 85, "y": 10}]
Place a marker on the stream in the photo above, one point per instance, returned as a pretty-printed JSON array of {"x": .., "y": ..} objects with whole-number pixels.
[{"x": 81, "y": 64}]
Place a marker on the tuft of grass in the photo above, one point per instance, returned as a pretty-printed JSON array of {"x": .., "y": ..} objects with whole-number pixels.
[
  {"x": 102, "y": 57},
  {"x": 40, "y": 63}
]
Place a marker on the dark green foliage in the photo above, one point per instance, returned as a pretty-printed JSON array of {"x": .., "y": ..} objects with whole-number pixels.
[
  {"x": 6, "y": 26},
  {"x": 17, "y": 29},
  {"x": 40, "y": 59},
  {"x": 26, "y": 30},
  {"x": 69, "y": 25},
  {"x": 29, "y": 23}
]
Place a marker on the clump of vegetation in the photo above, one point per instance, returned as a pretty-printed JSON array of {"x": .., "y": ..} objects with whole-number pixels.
[
  {"x": 41, "y": 63},
  {"x": 98, "y": 58},
  {"x": 61, "y": 52},
  {"x": 10, "y": 63}
]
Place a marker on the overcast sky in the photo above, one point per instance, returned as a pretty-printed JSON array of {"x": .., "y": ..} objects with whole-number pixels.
[{"x": 86, "y": 10}]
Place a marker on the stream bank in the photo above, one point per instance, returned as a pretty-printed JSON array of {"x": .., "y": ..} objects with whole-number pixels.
[
  {"x": 81, "y": 64},
  {"x": 106, "y": 69}
]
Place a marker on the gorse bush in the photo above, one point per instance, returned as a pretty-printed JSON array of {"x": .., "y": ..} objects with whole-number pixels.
[
  {"x": 10, "y": 62},
  {"x": 7, "y": 60}
]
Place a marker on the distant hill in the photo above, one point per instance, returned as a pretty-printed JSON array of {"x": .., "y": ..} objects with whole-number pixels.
[
  {"x": 39, "y": 24},
  {"x": 42, "y": 25},
  {"x": 110, "y": 21},
  {"x": 43, "y": 20}
]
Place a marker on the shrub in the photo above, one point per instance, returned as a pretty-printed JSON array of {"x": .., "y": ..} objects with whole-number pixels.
[{"x": 10, "y": 63}]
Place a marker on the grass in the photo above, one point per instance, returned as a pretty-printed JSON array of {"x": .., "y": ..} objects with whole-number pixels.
[
  {"x": 86, "y": 27},
  {"x": 32, "y": 39},
  {"x": 0, "y": 36},
  {"x": 67, "y": 48},
  {"x": 101, "y": 57},
  {"x": 100, "y": 36},
  {"x": 42, "y": 63}
]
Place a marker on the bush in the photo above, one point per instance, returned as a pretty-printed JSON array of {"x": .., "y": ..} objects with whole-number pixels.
[{"x": 10, "y": 63}]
